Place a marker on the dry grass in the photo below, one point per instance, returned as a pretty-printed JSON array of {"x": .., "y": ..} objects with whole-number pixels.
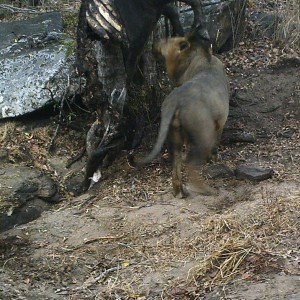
[
  {"x": 233, "y": 243},
  {"x": 217, "y": 248},
  {"x": 244, "y": 241},
  {"x": 247, "y": 239},
  {"x": 288, "y": 27}
]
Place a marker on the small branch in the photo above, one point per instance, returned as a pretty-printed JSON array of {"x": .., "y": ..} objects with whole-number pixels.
[
  {"x": 96, "y": 279},
  {"x": 20, "y": 10},
  {"x": 76, "y": 158},
  {"x": 51, "y": 147},
  {"x": 81, "y": 108},
  {"x": 60, "y": 115},
  {"x": 109, "y": 237},
  {"x": 101, "y": 238},
  {"x": 88, "y": 283},
  {"x": 57, "y": 127},
  {"x": 4, "y": 132}
]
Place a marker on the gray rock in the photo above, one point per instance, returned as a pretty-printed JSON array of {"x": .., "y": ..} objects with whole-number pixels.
[
  {"x": 224, "y": 20},
  {"x": 23, "y": 183},
  {"x": 267, "y": 23},
  {"x": 253, "y": 173},
  {"x": 23, "y": 214},
  {"x": 24, "y": 193},
  {"x": 218, "y": 171},
  {"x": 34, "y": 61}
]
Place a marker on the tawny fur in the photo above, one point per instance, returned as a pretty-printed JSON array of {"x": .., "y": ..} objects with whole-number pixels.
[{"x": 195, "y": 112}]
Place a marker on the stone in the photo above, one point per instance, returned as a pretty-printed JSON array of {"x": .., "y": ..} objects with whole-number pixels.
[
  {"x": 237, "y": 136},
  {"x": 253, "y": 173},
  {"x": 218, "y": 171},
  {"x": 266, "y": 22},
  {"x": 24, "y": 193},
  {"x": 224, "y": 20},
  {"x": 35, "y": 66},
  {"x": 23, "y": 214}
]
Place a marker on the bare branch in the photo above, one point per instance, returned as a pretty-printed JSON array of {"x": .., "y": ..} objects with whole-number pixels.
[{"x": 20, "y": 10}]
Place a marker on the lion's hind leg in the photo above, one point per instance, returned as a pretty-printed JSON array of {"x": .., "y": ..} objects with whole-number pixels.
[
  {"x": 175, "y": 142},
  {"x": 201, "y": 151}
]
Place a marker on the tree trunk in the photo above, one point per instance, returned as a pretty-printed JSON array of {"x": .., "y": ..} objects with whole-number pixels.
[{"x": 121, "y": 106}]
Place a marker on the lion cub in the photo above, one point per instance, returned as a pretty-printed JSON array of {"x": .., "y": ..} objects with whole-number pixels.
[{"x": 195, "y": 112}]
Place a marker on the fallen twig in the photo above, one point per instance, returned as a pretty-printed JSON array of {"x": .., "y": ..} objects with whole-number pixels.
[
  {"x": 76, "y": 158},
  {"x": 89, "y": 283},
  {"x": 93, "y": 241},
  {"x": 60, "y": 115},
  {"x": 20, "y": 10},
  {"x": 4, "y": 132}
]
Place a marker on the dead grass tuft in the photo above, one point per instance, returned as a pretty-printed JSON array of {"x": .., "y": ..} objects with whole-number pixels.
[
  {"x": 223, "y": 264},
  {"x": 243, "y": 247},
  {"x": 288, "y": 27},
  {"x": 6, "y": 130}
]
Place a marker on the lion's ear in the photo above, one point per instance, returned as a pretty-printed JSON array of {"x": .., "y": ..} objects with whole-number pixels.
[
  {"x": 183, "y": 45},
  {"x": 199, "y": 33}
]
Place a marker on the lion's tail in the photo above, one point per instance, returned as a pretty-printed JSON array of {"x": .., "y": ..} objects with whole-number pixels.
[{"x": 167, "y": 115}]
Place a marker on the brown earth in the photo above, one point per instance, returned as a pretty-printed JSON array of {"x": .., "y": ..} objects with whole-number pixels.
[{"x": 129, "y": 238}]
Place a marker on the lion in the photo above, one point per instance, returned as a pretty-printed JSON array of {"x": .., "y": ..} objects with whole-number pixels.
[{"x": 195, "y": 112}]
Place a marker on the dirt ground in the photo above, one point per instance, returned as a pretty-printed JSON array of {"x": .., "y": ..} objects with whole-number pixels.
[{"x": 129, "y": 238}]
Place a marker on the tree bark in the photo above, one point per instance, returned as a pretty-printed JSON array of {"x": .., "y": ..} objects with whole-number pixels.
[{"x": 120, "y": 105}]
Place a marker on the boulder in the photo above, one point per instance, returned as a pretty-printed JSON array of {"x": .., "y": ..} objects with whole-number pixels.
[
  {"x": 224, "y": 20},
  {"x": 266, "y": 23},
  {"x": 35, "y": 65},
  {"x": 24, "y": 194}
]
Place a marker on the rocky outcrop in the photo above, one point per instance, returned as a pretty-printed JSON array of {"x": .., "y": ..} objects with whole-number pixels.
[
  {"x": 24, "y": 194},
  {"x": 35, "y": 65},
  {"x": 224, "y": 20}
]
